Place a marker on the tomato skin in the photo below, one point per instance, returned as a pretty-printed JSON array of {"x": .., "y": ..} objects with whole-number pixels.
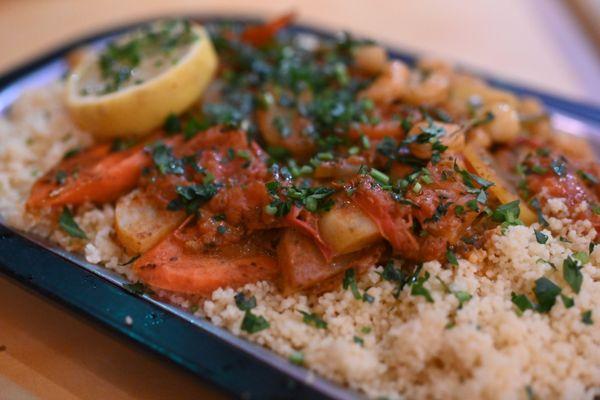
[{"x": 262, "y": 34}]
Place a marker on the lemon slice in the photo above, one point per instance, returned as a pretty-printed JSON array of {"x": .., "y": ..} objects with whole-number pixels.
[{"x": 134, "y": 84}]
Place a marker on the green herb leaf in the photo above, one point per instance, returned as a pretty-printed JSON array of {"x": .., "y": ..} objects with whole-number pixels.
[
  {"x": 138, "y": 288},
  {"x": 244, "y": 303},
  {"x": 165, "y": 161},
  {"x": 451, "y": 257},
  {"x": 358, "y": 340},
  {"x": 68, "y": 224},
  {"x": 508, "y": 213},
  {"x": 586, "y": 317},
  {"x": 192, "y": 197},
  {"x": 462, "y": 297},
  {"x": 313, "y": 320},
  {"x": 522, "y": 302},
  {"x": 541, "y": 238},
  {"x": 297, "y": 357},
  {"x": 254, "y": 323},
  {"x": 417, "y": 288},
  {"x": 588, "y": 177},
  {"x": 172, "y": 124},
  {"x": 61, "y": 177},
  {"x": 572, "y": 274},
  {"x": 535, "y": 203},
  {"x": 350, "y": 282},
  {"x": 545, "y": 291},
  {"x": 567, "y": 301}
]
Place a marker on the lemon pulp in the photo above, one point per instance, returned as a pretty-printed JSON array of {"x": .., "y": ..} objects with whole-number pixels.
[{"x": 130, "y": 87}]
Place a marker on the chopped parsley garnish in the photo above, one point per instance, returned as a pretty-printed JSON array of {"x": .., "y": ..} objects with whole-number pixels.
[
  {"x": 314, "y": 199},
  {"x": 72, "y": 153},
  {"x": 61, "y": 177},
  {"x": 350, "y": 283},
  {"x": 567, "y": 301},
  {"x": 68, "y": 224},
  {"x": 460, "y": 295},
  {"x": 541, "y": 237},
  {"x": 244, "y": 303},
  {"x": 522, "y": 302},
  {"x": 165, "y": 161},
  {"x": 545, "y": 291},
  {"x": 138, "y": 288},
  {"x": 418, "y": 288},
  {"x": 172, "y": 124},
  {"x": 297, "y": 357},
  {"x": 535, "y": 203},
  {"x": 254, "y": 323},
  {"x": 191, "y": 198},
  {"x": 508, "y": 214},
  {"x": 451, "y": 257},
  {"x": 251, "y": 323},
  {"x": 587, "y": 177},
  {"x": 313, "y": 319},
  {"x": 559, "y": 166},
  {"x": 358, "y": 340},
  {"x": 572, "y": 273},
  {"x": 586, "y": 317}
]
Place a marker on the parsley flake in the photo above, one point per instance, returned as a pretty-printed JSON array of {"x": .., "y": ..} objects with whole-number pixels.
[
  {"x": 545, "y": 291},
  {"x": 68, "y": 224},
  {"x": 417, "y": 288},
  {"x": 541, "y": 238},
  {"x": 572, "y": 274},
  {"x": 313, "y": 319}
]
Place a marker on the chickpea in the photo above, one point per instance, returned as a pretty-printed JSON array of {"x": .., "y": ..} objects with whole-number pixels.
[
  {"x": 370, "y": 59},
  {"x": 434, "y": 64},
  {"x": 505, "y": 126},
  {"x": 431, "y": 89},
  {"x": 479, "y": 137},
  {"x": 450, "y": 136},
  {"x": 533, "y": 118},
  {"x": 390, "y": 85}
]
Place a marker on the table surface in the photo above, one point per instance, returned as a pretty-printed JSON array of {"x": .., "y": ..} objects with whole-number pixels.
[{"x": 49, "y": 353}]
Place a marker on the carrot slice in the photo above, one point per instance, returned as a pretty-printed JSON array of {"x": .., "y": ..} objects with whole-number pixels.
[
  {"x": 96, "y": 175},
  {"x": 171, "y": 265},
  {"x": 262, "y": 34}
]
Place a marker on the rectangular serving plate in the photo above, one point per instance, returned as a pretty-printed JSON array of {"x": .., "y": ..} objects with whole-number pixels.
[{"x": 238, "y": 366}]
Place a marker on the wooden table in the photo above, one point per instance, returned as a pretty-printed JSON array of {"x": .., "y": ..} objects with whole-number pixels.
[{"x": 46, "y": 352}]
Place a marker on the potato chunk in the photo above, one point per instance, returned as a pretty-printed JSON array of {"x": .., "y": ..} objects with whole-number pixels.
[
  {"x": 346, "y": 229},
  {"x": 140, "y": 224},
  {"x": 481, "y": 163}
]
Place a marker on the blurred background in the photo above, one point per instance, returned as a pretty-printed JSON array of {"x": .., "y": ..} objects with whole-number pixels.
[
  {"x": 548, "y": 44},
  {"x": 48, "y": 353}
]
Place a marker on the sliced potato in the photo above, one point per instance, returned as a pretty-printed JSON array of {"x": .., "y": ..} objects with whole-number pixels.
[
  {"x": 481, "y": 163},
  {"x": 140, "y": 224},
  {"x": 346, "y": 229}
]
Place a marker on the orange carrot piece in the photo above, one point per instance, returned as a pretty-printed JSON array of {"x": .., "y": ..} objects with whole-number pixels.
[
  {"x": 96, "y": 175},
  {"x": 172, "y": 266},
  {"x": 263, "y": 34}
]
